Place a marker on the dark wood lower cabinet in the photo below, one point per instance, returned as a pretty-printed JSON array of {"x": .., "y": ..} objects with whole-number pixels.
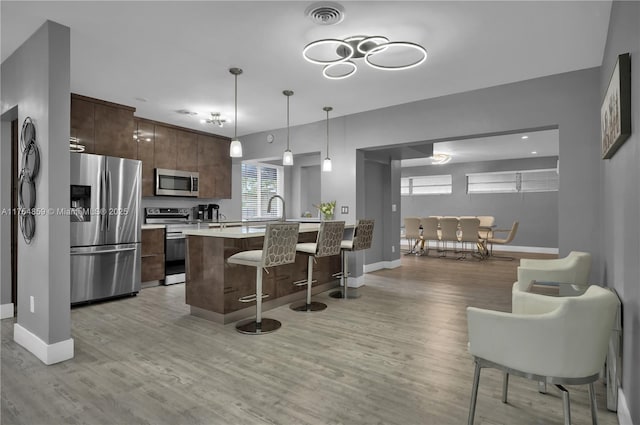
[
  {"x": 152, "y": 254},
  {"x": 214, "y": 285}
]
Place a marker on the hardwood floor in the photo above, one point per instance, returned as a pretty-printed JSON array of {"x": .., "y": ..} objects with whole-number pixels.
[{"x": 397, "y": 355}]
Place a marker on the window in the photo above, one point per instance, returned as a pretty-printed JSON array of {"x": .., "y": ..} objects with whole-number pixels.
[
  {"x": 426, "y": 185},
  {"x": 544, "y": 180},
  {"x": 259, "y": 183}
]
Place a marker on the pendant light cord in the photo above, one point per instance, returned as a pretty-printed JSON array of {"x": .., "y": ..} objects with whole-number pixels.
[
  {"x": 327, "y": 134},
  {"x": 288, "y": 122},
  {"x": 235, "y": 118}
]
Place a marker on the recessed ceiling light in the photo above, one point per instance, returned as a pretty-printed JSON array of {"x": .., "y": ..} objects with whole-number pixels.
[
  {"x": 525, "y": 137},
  {"x": 534, "y": 153},
  {"x": 186, "y": 112}
]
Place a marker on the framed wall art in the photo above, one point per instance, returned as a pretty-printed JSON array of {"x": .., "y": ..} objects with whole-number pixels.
[{"x": 615, "y": 113}]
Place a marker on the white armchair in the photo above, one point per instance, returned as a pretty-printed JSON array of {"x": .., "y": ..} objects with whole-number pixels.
[
  {"x": 556, "y": 340},
  {"x": 574, "y": 269}
]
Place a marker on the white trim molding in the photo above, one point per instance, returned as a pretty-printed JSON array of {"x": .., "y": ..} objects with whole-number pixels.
[
  {"x": 6, "y": 311},
  {"x": 624, "y": 415},
  {"x": 47, "y": 353},
  {"x": 368, "y": 268}
]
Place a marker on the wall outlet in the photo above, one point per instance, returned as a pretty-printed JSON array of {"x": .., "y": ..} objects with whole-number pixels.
[
  {"x": 393, "y": 208},
  {"x": 32, "y": 304},
  {"x": 344, "y": 209}
]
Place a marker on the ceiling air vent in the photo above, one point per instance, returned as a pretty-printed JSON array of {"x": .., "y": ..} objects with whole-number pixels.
[{"x": 325, "y": 13}]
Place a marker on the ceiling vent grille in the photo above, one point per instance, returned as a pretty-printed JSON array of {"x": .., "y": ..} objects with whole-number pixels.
[{"x": 325, "y": 13}]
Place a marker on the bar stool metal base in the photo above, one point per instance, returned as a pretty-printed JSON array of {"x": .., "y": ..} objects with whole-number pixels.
[
  {"x": 251, "y": 327},
  {"x": 303, "y": 306},
  {"x": 352, "y": 293}
]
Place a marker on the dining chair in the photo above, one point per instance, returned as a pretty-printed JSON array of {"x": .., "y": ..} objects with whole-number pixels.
[
  {"x": 429, "y": 233},
  {"x": 555, "y": 340},
  {"x": 486, "y": 226},
  {"x": 412, "y": 233},
  {"x": 511, "y": 233},
  {"x": 449, "y": 232},
  {"x": 468, "y": 234}
]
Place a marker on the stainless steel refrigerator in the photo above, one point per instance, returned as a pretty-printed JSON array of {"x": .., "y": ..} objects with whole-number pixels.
[{"x": 105, "y": 227}]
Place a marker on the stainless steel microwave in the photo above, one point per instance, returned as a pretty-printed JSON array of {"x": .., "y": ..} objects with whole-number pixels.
[{"x": 176, "y": 182}]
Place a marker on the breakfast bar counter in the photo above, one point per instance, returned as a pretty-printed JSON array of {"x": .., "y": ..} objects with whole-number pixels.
[{"x": 213, "y": 287}]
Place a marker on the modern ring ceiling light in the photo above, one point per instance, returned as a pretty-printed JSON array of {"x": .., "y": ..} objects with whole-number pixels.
[
  {"x": 378, "y": 52},
  {"x": 215, "y": 119},
  {"x": 440, "y": 158},
  {"x": 235, "y": 149},
  {"x": 287, "y": 158}
]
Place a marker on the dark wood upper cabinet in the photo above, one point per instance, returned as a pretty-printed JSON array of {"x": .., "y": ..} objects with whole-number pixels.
[
  {"x": 114, "y": 132},
  {"x": 214, "y": 167},
  {"x": 145, "y": 133},
  {"x": 82, "y": 123},
  {"x": 165, "y": 148},
  {"x": 104, "y": 128},
  {"x": 187, "y": 146}
]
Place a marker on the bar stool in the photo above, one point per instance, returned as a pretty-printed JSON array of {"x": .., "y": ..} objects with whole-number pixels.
[
  {"x": 279, "y": 248},
  {"x": 362, "y": 238},
  {"x": 327, "y": 243}
]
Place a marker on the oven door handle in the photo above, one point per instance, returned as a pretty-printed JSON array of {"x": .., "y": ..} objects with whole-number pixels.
[{"x": 174, "y": 236}]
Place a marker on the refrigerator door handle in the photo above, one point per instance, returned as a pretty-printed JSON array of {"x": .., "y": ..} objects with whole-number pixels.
[
  {"x": 106, "y": 251},
  {"x": 108, "y": 206},
  {"x": 103, "y": 200}
]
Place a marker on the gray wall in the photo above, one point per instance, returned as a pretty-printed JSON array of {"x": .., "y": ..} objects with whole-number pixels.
[
  {"x": 537, "y": 212},
  {"x": 569, "y": 102},
  {"x": 36, "y": 79},
  {"x": 310, "y": 189},
  {"x": 621, "y": 200}
]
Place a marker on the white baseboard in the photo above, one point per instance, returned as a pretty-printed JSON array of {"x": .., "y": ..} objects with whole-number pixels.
[
  {"x": 6, "y": 311},
  {"x": 368, "y": 268},
  {"x": 47, "y": 353},
  {"x": 534, "y": 249},
  {"x": 624, "y": 415},
  {"x": 511, "y": 248}
]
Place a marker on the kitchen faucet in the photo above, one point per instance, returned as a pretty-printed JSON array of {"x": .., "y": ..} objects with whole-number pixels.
[{"x": 284, "y": 215}]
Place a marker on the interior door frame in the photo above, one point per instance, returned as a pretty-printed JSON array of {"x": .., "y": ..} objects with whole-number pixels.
[{"x": 14, "y": 216}]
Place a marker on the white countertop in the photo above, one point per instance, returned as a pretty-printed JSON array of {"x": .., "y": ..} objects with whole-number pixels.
[
  {"x": 248, "y": 231},
  {"x": 153, "y": 226}
]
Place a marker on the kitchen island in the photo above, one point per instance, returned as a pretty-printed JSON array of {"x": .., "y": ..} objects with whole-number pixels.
[{"x": 213, "y": 287}]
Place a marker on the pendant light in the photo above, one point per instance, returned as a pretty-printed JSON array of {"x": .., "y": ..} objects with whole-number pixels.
[
  {"x": 326, "y": 164},
  {"x": 287, "y": 158},
  {"x": 235, "y": 150}
]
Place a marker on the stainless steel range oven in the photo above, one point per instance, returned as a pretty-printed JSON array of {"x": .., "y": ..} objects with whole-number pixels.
[{"x": 176, "y": 221}]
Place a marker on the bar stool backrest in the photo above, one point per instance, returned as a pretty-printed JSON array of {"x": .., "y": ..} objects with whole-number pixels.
[
  {"x": 449, "y": 229},
  {"x": 363, "y": 234},
  {"x": 330, "y": 236},
  {"x": 280, "y": 241},
  {"x": 429, "y": 228},
  {"x": 469, "y": 229}
]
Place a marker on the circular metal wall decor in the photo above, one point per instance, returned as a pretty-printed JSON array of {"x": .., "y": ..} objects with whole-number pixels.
[
  {"x": 28, "y": 134},
  {"x": 31, "y": 160},
  {"x": 27, "y": 179}
]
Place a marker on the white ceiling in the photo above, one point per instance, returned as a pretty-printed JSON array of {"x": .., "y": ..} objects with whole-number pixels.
[
  {"x": 177, "y": 54},
  {"x": 518, "y": 145}
]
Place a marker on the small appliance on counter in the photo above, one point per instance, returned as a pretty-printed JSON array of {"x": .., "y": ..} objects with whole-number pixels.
[{"x": 207, "y": 212}]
